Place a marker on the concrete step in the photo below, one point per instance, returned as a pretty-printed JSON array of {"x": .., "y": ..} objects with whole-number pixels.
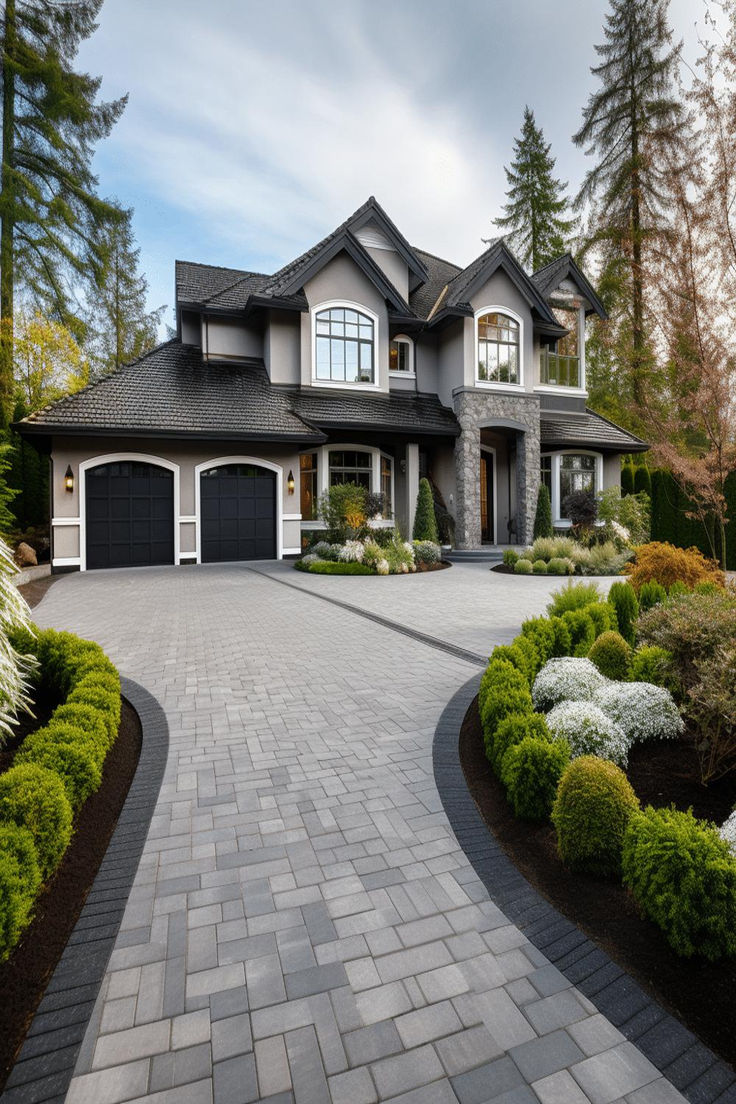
[{"x": 475, "y": 555}]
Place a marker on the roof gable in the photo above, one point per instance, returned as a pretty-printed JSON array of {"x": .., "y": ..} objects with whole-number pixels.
[{"x": 548, "y": 278}]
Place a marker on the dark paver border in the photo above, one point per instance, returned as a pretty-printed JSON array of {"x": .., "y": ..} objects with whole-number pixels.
[
  {"x": 46, "y": 1062},
  {"x": 699, "y": 1074},
  {"x": 386, "y": 622}
]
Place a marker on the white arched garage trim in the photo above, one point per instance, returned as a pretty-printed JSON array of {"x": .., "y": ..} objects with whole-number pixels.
[
  {"x": 256, "y": 461},
  {"x": 114, "y": 458}
]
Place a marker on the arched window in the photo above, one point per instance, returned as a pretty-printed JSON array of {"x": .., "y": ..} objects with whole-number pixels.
[
  {"x": 344, "y": 345},
  {"x": 401, "y": 355},
  {"x": 498, "y": 348}
]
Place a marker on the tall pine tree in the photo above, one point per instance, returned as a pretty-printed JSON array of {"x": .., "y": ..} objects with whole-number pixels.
[
  {"x": 535, "y": 215},
  {"x": 632, "y": 125},
  {"x": 50, "y": 212},
  {"x": 120, "y": 327}
]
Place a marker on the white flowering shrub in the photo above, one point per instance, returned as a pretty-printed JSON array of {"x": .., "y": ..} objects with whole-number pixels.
[
  {"x": 382, "y": 567},
  {"x": 566, "y": 679},
  {"x": 310, "y": 558},
  {"x": 644, "y": 711},
  {"x": 352, "y": 551},
  {"x": 372, "y": 554},
  {"x": 321, "y": 551},
  {"x": 427, "y": 552},
  {"x": 728, "y": 831},
  {"x": 589, "y": 731}
]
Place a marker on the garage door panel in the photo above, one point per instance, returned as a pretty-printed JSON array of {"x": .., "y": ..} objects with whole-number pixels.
[
  {"x": 130, "y": 515},
  {"x": 238, "y": 512}
]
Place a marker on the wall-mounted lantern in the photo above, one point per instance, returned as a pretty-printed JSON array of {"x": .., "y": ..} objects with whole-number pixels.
[
  {"x": 69, "y": 479},
  {"x": 290, "y": 483}
]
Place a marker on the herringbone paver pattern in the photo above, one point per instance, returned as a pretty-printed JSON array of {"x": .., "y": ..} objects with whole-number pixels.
[{"x": 303, "y": 925}]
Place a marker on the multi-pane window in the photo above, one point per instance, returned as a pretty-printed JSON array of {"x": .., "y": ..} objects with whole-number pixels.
[
  {"x": 351, "y": 467},
  {"x": 577, "y": 473},
  {"x": 399, "y": 356},
  {"x": 344, "y": 346},
  {"x": 308, "y": 485},
  {"x": 498, "y": 348}
]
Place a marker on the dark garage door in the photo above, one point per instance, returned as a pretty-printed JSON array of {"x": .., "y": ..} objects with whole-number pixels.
[
  {"x": 130, "y": 515},
  {"x": 238, "y": 510}
]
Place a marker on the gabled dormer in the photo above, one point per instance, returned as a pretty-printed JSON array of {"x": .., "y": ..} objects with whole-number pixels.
[{"x": 572, "y": 298}]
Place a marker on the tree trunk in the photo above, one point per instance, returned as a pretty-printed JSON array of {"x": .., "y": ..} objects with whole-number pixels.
[{"x": 7, "y": 184}]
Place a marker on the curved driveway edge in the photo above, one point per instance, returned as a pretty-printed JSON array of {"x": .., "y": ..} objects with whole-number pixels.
[
  {"x": 691, "y": 1067},
  {"x": 45, "y": 1065}
]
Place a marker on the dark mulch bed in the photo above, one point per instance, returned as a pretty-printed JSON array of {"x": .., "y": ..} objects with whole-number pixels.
[
  {"x": 34, "y": 591},
  {"x": 23, "y": 978},
  {"x": 697, "y": 992}
]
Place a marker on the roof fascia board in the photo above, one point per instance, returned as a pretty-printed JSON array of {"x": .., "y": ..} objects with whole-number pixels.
[
  {"x": 374, "y": 212},
  {"x": 313, "y": 436}
]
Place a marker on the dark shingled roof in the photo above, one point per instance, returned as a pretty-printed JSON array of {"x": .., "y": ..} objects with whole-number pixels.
[
  {"x": 400, "y": 412},
  {"x": 588, "y": 430},
  {"x": 548, "y": 278},
  {"x": 440, "y": 273},
  {"x": 196, "y": 283},
  {"x": 172, "y": 392}
]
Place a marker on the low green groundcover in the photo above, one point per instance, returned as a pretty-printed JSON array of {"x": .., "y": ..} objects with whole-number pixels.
[{"x": 326, "y": 568}]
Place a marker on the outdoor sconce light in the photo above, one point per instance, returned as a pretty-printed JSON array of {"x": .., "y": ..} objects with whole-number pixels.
[
  {"x": 290, "y": 483},
  {"x": 69, "y": 478}
]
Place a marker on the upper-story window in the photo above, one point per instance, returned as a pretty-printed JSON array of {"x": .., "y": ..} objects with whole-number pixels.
[
  {"x": 401, "y": 355},
  {"x": 344, "y": 346},
  {"x": 499, "y": 348}
]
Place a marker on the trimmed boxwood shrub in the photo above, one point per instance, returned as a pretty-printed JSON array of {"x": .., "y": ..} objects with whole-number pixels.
[
  {"x": 591, "y": 812},
  {"x": 541, "y": 632},
  {"x": 611, "y": 655},
  {"x": 563, "y": 640},
  {"x": 105, "y": 701},
  {"x": 522, "y": 567},
  {"x": 539, "y": 567},
  {"x": 683, "y": 877},
  {"x": 622, "y": 597},
  {"x": 507, "y": 692},
  {"x": 558, "y": 566},
  {"x": 651, "y": 594},
  {"x": 531, "y": 771},
  {"x": 83, "y": 717},
  {"x": 512, "y": 730},
  {"x": 20, "y": 879},
  {"x": 33, "y": 797},
  {"x": 75, "y": 758},
  {"x": 651, "y": 664},
  {"x": 582, "y": 631}
]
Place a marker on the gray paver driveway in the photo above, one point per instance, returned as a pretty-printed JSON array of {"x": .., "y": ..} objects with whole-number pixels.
[{"x": 303, "y": 925}]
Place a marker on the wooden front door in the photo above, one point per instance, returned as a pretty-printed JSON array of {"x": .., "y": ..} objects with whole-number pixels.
[{"x": 486, "y": 498}]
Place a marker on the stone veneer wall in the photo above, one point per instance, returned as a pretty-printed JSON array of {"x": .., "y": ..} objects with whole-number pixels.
[{"x": 477, "y": 410}]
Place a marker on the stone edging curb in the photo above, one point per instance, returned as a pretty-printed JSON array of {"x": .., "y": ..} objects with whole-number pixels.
[
  {"x": 45, "y": 1065},
  {"x": 696, "y": 1071}
]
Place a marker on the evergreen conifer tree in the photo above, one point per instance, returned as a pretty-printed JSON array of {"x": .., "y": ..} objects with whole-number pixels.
[
  {"x": 425, "y": 523},
  {"x": 627, "y": 479},
  {"x": 633, "y": 124},
  {"x": 121, "y": 328},
  {"x": 543, "y": 516},
  {"x": 534, "y": 219},
  {"x": 50, "y": 212}
]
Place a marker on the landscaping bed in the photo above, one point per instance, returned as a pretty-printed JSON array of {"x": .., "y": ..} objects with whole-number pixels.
[
  {"x": 26, "y": 973},
  {"x": 698, "y": 992}
]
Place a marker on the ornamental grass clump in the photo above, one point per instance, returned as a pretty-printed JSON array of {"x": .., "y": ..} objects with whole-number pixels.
[
  {"x": 682, "y": 875},
  {"x": 611, "y": 655},
  {"x": 539, "y": 567},
  {"x": 644, "y": 712},
  {"x": 589, "y": 731},
  {"x": 574, "y": 596},
  {"x": 560, "y": 566},
  {"x": 591, "y": 812},
  {"x": 565, "y": 679},
  {"x": 531, "y": 772}
]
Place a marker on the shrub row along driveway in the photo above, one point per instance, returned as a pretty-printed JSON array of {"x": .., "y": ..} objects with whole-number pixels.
[{"x": 303, "y": 924}]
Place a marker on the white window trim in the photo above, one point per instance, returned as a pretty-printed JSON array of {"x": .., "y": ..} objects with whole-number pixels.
[
  {"x": 493, "y": 385},
  {"x": 558, "y": 520},
  {"x": 115, "y": 458},
  {"x": 323, "y": 478},
  {"x": 411, "y": 373},
  {"x": 343, "y": 385},
  {"x": 256, "y": 461}
]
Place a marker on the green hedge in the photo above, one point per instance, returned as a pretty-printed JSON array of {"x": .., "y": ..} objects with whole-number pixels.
[
  {"x": 57, "y": 767},
  {"x": 671, "y": 523},
  {"x": 333, "y": 568}
]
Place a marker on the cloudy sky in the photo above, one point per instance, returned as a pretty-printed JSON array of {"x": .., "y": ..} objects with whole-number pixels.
[{"x": 253, "y": 127}]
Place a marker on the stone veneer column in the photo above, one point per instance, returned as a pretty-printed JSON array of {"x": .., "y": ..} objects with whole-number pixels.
[{"x": 475, "y": 410}]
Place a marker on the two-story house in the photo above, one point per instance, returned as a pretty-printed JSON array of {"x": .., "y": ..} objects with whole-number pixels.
[{"x": 366, "y": 360}]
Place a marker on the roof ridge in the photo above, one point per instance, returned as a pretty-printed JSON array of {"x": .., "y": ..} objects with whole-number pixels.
[{"x": 220, "y": 268}]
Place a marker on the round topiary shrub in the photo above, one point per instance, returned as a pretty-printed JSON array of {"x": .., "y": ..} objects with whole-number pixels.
[
  {"x": 77, "y": 762},
  {"x": 591, "y": 812},
  {"x": 683, "y": 877},
  {"x": 611, "y": 655},
  {"x": 531, "y": 771},
  {"x": 20, "y": 879},
  {"x": 510, "y": 556},
  {"x": 558, "y": 566},
  {"x": 565, "y": 678},
  {"x": 539, "y": 567},
  {"x": 522, "y": 567},
  {"x": 643, "y": 711},
  {"x": 589, "y": 731},
  {"x": 106, "y": 701},
  {"x": 512, "y": 730},
  {"x": 651, "y": 664},
  {"x": 34, "y": 798}
]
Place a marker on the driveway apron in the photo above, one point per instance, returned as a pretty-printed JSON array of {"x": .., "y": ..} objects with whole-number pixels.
[{"x": 303, "y": 925}]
